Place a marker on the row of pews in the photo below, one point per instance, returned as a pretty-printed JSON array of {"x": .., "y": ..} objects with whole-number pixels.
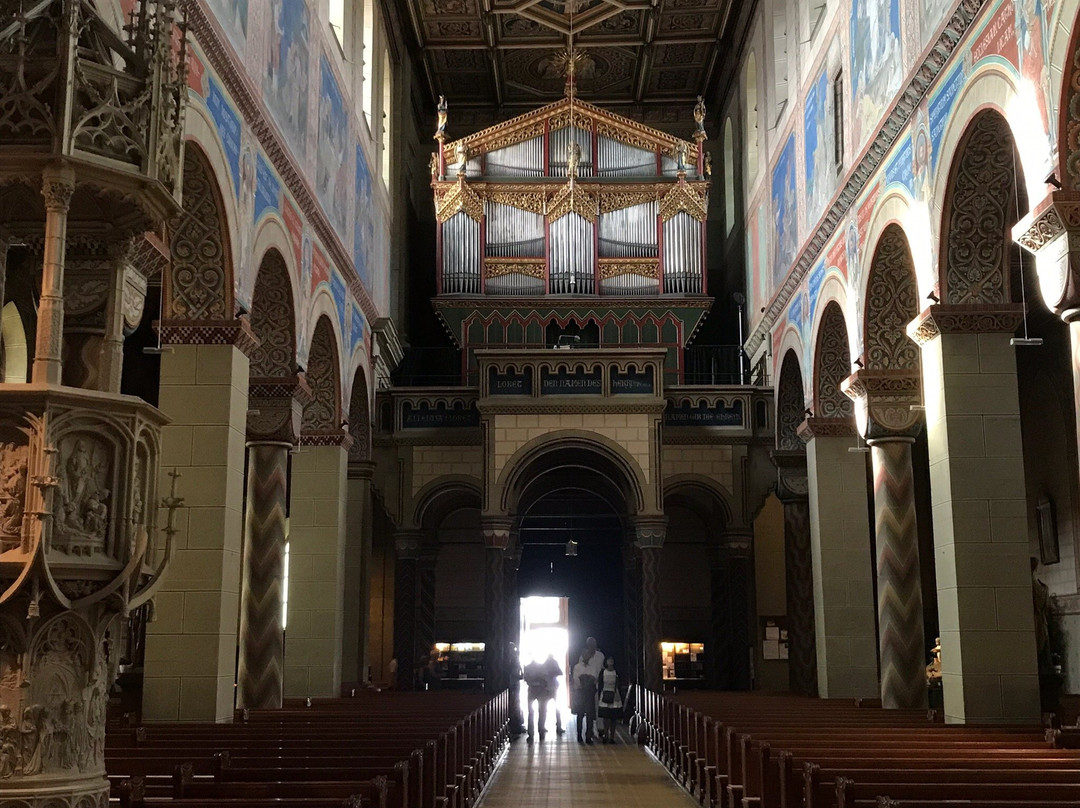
[
  {"x": 375, "y": 750},
  {"x": 756, "y": 750}
]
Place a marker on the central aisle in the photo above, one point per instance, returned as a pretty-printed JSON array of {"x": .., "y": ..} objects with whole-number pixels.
[{"x": 561, "y": 773}]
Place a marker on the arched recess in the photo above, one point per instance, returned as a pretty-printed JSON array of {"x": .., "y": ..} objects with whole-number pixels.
[
  {"x": 323, "y": 413},
  {"x": 983, "y": 200},
  {"x": 200, "y": 283},
  {"x": 729, "y": 176},
  {"x": 750, "y": 98},
  {"x": 13, "y": 337},
  {"x": 360, "y": 419},
  {"x": 273, "y": 320},
  {"x": 790, "y": 404},
  {"x": 832, "y": 364},
  {"x": 892, "y": 301}
]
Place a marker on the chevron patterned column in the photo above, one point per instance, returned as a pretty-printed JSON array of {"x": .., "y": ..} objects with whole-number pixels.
[
  {"x": 259, "y": 677},
  {"x": 650, "y": 534},
  {"x": 406, "y": 588},
  {"x": 718, "y": 648},
  {"x": 633, "y": 664},
  {"x": 497, "y": 539},
  {"x": 425, "y": 601},
  {"x": 900, "y": 614},
  {"x": 741, "y": 604}
]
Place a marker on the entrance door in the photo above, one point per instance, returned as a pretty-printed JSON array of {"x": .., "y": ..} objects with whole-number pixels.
[{"x": 545, "y": 630}]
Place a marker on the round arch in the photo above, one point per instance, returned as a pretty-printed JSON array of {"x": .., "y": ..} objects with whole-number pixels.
[
  {"x": 441, "y": 497},
  {"x": 323, "y": 413},
  {"x": 271, "y": 235},
  {"x": 832, "y": 364},
  {"x": 360, "y": 418},
  {"x": 273, "y": 320},
  {"x": 701, "y": 494},
  {"x": 790, "y": 403},
  {"x": 892, "y": 301}
]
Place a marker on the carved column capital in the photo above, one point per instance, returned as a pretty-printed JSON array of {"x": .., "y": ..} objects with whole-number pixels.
[
  {"x": 407, "y": 544},
  {"x": 888, "y": 403},
  {"x": 650, "y": 532},
  {"x": 57, "y": 186},
  {"x": 275, "y": 407},
  {"x": 815, "y": 427},
  {"x": 791, "y": 480},
  {"x": 1051, "y": 232},
  {"x": 497, "y": 531},
  {"x": 975, "y": 318}
]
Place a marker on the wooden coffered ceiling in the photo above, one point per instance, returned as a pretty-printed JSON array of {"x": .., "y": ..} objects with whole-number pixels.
[{"x": 648, "y": 59}]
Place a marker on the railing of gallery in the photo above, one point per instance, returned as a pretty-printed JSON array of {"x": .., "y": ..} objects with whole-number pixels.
[{"x": 703, "y": 365}]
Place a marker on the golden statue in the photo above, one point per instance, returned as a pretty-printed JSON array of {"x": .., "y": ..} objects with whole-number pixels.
[
  {"x": 440, "y": 128},
  {"x": 699, "y": 117},
  {"x": 573, "y": 157}
]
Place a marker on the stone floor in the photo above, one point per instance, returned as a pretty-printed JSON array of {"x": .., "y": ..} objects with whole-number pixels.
[{"x": 561, "y": 773}]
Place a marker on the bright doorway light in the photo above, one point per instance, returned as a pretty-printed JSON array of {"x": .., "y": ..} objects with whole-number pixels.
[{"x": 544, "y": 631}]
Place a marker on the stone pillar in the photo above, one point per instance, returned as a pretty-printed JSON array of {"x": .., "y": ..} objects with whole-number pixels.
[
  {"x": 191, "y": 644},
  {"x": 57, "y": 187},
  {"x": 718, "y": 648},
  {"x": 649, "y": 537},
  {"x": 792, "y": 491},
  {"x": 846, "y": 638},
  {"x": 884, "y": 402},
  {"x": 496, "y": 541},
  {"x": 734, "y": 575},
  {"x": 127, "y": 294},
  {"x": 273, "y": 426},
  {"x": 634, "y": 664},
  {"x": 316, "y": 566},
  {"x": 406, "y": 588},
  {"x": 357, "y": 572},
  {"x": 988, "y": 654}
]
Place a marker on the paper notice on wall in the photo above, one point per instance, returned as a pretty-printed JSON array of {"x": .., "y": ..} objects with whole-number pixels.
[
  {"x": 772, "y": 649},
  {"x": 783, "y": 650},
  {"x": 772, "y": 632}
]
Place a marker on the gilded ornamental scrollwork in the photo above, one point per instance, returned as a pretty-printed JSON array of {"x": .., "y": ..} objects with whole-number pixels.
[
  {"x": 498, "y": 267},
  {"x": 684, "y": 198},
  {"x": 460, "y": 198},
  {"x": 572, "y": 198},
  {"x": 644, "y": 267}
]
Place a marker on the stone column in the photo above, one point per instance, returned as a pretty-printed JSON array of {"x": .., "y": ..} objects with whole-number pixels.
[
  {"x": 718, "y": 648},
  {"x": 792, "y": 490},
  {"x": 496, "y": 541},
  {"x": 316, "y": 566},
  {"x": 649, "y": 537},
  {"x": 634, "y": 664},
  {"x": 846, "y": 638},
  {"x": 191, "y": 644},
  {"x": 884, "y": 402},
  {"x": 425, "y": 599},
  {"x": 357, "y": 571},
  {"x": 127, "y": 294},
  {"x": 989, "y": 668},
  {"x": 734, "y": 572},
  {"x": 58, "y": 185},
  {"x": 406, "y": 588},
  {"x": 273, "y": 426}
]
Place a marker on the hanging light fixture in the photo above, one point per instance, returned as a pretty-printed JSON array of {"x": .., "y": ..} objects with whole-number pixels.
[{"x": 571, "y": 549}]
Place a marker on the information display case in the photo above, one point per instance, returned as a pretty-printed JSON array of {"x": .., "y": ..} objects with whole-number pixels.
[
  {"x": 683, "y": 661},
  {"x": 460, "y": 664}
]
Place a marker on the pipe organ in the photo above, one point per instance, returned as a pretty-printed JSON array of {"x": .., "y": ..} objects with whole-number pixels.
[{"x": 570, "y": 200}]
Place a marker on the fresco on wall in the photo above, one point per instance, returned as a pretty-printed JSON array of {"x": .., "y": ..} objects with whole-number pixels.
[
  {"x": 245, "y": 207},
  {"x": 933, "y": 12},
  {"x": 367, "y": 210},
  {"x": 785, "y": 207},
  {"x": 819, "y": 136},
  {"x": 331, "y": 159},
  {"x": 876, "y": 62},
  {"x": 285, "y": 83},
  {"x": 233, "y": 16},
  {"x": 1033, "y": 38}
]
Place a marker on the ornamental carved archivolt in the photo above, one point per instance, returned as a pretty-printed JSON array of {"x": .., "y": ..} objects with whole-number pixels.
[
  {"x": 200, "y": 280},
  {"x": 983, "y": 196},
  {"x": 892, "y": 301},
  {"x": 789, "y": 405},
  {"x": 834, "y": 365},
  {"x": 273, "y": 322},
  {"x": 321, "y": 413}
]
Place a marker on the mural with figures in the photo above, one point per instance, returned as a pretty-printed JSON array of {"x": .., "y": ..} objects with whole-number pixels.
[
  {"x": 818, "y": 141},
  {"x": 285, "y": 82},
  {"x": 877, "y": 65},
  {"x": 332, "y": 156},
  {"x": 785, "y": 209}
]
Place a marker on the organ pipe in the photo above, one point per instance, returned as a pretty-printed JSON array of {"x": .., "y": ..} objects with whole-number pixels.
[
  {"x": 525, "y": 159},
  {"x": 617, "y": 159},
  {"x": 682, "y": 255},
  {"x": 512, "y": 232},
  {"x": 629, "y": 232},
  {"x": 572, "y": 256},
  {"x": 559, "y": 140},
  {"x": 461, "y": 256}
]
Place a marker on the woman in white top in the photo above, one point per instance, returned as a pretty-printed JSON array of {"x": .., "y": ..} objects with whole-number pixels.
[{"x": 610, "y": 708}]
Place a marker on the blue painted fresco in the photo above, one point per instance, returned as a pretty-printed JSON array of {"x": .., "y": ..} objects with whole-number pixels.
[
  {"x": 785, "y": 206},
  {"x": 356, "y": 328},
  {"x": 941, "y": 104},
  {"x": 285, "y": 83},
  {"x": 227, "y": 122},
  {"x": 813, "y": 286},
  {"x": 337, "y": 291},
  {"x": 818, "y": 141},
  {"x": 900, "y": 168},
  {"x": 331, "y": 164},
  {"x": 267, "y": 187},
  {"x": 876, "y": 62},
  {"x": 233, "y": 16},
  {"x": 366, "y": 212}
]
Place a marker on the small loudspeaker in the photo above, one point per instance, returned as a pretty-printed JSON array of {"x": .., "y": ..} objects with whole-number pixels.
[{"x": 1026, "y": 342}]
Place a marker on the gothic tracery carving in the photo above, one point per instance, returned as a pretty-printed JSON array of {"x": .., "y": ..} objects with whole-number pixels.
[
  {"x": 321, "y": 414},
  {"x": 983, "y": 196},
  {"x": 834, "y": 365},
  {"x": 272, "y": 321},
  {"x": 891, "y": 303},
  {"x": 200, "y": 285}
]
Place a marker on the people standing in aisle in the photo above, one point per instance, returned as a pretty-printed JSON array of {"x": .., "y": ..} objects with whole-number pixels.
[
  {"x": 552, "y": 671},
  {"x": 610, "y": 708},
  {"x": 517, "y": 720},
  {"x": 586, "y": 675},
  {"x": 537, "y": 681}
]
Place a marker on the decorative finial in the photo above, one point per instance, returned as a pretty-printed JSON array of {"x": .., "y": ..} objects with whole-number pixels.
[
  {"x": 699, "y": 119},
  {"x": 440, "y": 128}
]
